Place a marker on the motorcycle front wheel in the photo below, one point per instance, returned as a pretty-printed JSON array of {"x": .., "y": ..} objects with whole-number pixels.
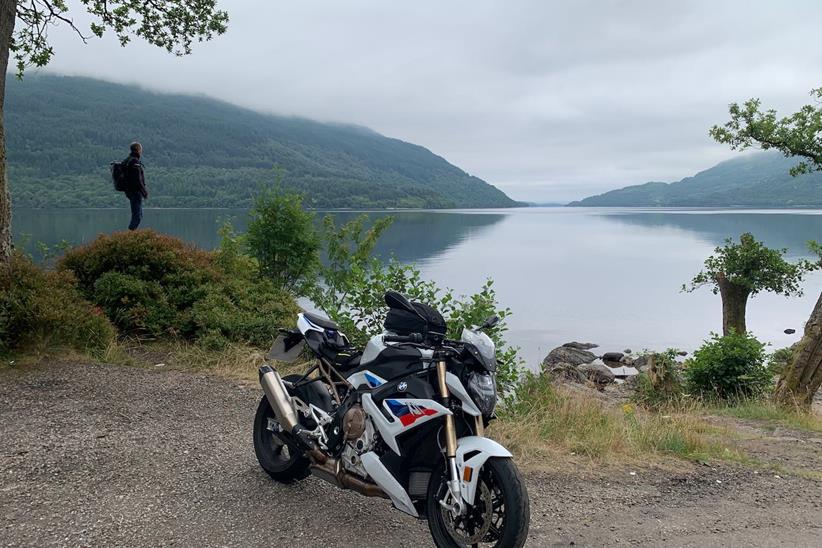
[{"x": 499, "y": 518}]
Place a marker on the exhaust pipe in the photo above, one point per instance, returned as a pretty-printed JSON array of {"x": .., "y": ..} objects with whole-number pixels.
[
  {"x": 331, "y": 471},
  {"x": 278, "y": 398}
]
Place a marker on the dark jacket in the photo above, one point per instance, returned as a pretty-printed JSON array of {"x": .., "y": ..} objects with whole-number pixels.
[{"x": 135, "y": 178}]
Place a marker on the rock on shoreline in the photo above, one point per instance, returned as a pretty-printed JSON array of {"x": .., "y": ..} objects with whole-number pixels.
[{"x": 574, "y": 362}]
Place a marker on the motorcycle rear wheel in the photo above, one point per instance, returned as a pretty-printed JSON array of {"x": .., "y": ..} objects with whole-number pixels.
[
  {"x": 276, "y": 453},
  {"x": 499, "y": 518}
]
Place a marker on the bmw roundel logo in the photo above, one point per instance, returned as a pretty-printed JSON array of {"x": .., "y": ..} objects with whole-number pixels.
[{"x": 403, "y": 386}]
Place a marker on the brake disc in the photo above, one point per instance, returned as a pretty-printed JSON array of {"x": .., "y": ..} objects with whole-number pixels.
[{"x": 472, "y": 527}]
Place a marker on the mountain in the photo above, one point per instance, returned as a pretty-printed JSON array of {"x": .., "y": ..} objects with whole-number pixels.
[
  {"x": 63, "y": 132},
  {"x": 755, "y": 180}
]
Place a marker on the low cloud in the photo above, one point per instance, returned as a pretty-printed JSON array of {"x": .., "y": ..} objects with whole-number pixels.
[{"x": 550, "y": 101}]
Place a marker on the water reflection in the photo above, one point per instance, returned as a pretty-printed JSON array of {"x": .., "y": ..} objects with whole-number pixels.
[
  {"x": 413, "y": 236},
  {"x": 776, "y": 229}
]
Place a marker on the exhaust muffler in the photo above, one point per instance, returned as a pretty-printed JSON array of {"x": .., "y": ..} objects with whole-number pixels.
[
  {"x": 331, "y": 471},
  {"x": 278, "y": 398}
]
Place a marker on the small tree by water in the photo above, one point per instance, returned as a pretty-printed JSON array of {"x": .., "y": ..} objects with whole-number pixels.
[{"x": 737, "y": 271}]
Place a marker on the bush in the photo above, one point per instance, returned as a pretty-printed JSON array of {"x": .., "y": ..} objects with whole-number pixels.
[
  {"x": 155, "y": 285},
  {"x": 282, "y": 237},
  {"x": 662, "y": 383},
  {"x": 39, "y": 308},
  {"x": 780, "y": 358},
  {"x": 728, "y": 367},
  {"x": 354, "y": 285}
]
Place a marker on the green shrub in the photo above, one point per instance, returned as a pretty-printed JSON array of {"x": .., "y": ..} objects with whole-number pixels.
[
  {"x": 155, "y": 285},
  {"x": 662, "y": 383},
  {"x": 780, "y": 358},
  {"x": 728, "y": 367},
  {"x": 40, "y": 308},
  {"x": 282, "y": 237}
]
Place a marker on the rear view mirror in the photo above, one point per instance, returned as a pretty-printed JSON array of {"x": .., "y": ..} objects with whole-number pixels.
[{"x": 492, "y": 321}]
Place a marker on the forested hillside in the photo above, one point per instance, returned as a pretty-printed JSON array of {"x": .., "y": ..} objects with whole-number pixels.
[
  {"x": 756, "y": 180},
  {"x": 63, "y": 132}
]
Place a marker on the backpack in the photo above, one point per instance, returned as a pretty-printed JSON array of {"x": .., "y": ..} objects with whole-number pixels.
[{"x": 119, "y": 175}]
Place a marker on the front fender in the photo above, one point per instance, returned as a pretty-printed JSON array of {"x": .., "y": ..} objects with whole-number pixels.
[{"x": 477, "y": 450}]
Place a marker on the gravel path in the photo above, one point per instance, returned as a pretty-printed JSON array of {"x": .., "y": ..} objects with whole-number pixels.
[{"x": 117, "y": 456}]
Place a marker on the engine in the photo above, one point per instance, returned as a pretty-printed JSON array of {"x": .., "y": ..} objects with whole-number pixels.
[{"x": 359, "y": 438}]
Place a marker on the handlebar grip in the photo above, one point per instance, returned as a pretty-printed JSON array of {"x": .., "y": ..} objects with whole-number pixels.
[{"x": 412, "y": 338}]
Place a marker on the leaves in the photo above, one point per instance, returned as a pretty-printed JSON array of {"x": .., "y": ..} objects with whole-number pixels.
[
  {"x": 751, "y": 265},
  {"x": 799, "y": 134},
  {"x": 173, "y": 25},
  {"x": 729, "y": 366},
  {"x": 282, "y": 237}
]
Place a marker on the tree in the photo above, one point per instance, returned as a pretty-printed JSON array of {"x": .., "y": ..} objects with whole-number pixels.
[
  {"x": 739, "y": 271},
  {"x": 170, "y": 24},
  {"x": 282, "y": 237},
  {"x": 799, "y": 135},
  {"x": 794, "y": 135}
]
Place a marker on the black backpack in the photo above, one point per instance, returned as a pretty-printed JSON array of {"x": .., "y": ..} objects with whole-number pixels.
[{"x": 119, "y": 175}]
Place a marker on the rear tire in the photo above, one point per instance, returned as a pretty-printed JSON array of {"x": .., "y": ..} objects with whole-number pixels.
[
  {"x": 511, "y": 514},
  {"x": 276, "y": 452}
]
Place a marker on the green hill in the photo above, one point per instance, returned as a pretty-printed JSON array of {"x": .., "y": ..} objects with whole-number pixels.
[
  {"x": 756, "y": 180},
  {"x": 63, "y": 132}
]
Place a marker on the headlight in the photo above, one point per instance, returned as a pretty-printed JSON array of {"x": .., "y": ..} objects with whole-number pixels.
[{"x": 483, "y": 390}]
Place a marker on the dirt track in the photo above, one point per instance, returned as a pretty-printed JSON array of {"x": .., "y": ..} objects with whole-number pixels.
[{"x": 105, "y": 455}]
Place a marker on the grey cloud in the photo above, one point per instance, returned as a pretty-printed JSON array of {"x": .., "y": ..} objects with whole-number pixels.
[{"x": 548, "y": 100}]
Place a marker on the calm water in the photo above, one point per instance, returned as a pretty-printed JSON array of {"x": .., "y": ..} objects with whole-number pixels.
[{"x": 611, "y": 276}]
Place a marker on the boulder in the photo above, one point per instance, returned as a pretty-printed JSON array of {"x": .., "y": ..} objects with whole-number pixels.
[
  {"x": 626, "y": 360},
  {"x": 624, "y": 371},
  {"x": 640, "y": 361},
  {"x": 598, "y": 373},
  {"x": 580, "y": 346},
  {"x": 612, "y": 356},
  {"x": 626, "y": 351},
  {"x": 566, "y": 372},
  {"x": 569, "y": 355},
  {"x": 682, "y": 353}
]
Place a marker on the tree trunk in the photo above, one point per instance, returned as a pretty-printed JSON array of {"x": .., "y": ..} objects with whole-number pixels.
[
  {"x": 734, "y": 303},
  {"x": 8, "y": 13},
  {"x": 803, "y": 375}
]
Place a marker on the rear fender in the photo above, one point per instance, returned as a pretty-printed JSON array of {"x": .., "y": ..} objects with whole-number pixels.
[{"x": 472, "y": 452}]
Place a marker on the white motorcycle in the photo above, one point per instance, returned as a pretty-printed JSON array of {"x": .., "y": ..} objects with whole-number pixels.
[{"x": 403, "y": 420}]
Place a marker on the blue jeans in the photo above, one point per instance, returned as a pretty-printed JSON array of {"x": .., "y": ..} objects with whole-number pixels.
[{"x": 136, "y": 200}]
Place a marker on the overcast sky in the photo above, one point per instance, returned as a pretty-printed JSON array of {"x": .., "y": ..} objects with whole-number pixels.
[{"x": 547, "y": 100}]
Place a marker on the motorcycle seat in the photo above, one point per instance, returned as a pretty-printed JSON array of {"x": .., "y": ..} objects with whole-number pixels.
[{"x": 319, "y": 321}]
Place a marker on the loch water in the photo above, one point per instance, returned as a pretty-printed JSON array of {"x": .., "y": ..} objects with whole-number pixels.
[{"x": 612, "y": 276}]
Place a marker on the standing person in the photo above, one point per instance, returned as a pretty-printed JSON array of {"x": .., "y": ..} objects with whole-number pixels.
[{"x": 135, "y": 184}]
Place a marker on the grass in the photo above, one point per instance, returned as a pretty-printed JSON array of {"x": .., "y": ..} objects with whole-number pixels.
[
  {"x": 234, "y": 361},
  {"x": 548, "y": 419},
  {"x": 769, "y": 412}
]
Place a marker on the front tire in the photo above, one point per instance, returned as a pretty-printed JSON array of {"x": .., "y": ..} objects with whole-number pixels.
[
  {"x": 276, "y": 453},
  {"x": 499, "y": 518}
]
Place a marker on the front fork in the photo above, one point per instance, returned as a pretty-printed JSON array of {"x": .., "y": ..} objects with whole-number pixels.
[{"x": 456, "y": 506}]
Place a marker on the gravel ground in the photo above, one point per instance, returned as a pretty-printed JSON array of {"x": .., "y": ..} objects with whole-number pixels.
[{"x": 117, "y": 456}]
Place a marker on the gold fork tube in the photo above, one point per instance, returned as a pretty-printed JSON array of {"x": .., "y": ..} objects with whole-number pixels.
[
  {"x": 479, "y": 427},
  {"x": 450, "y": 428}
]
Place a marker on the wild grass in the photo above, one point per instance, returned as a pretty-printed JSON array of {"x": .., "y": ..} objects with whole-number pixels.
[
  {"x": 769, "y": 412},
  {"x": 546, "y": 419},
  {"x": 234, "y": 360}
]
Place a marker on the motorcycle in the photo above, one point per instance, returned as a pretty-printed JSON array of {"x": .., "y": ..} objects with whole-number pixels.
[{"x": 404, "y": 419}]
